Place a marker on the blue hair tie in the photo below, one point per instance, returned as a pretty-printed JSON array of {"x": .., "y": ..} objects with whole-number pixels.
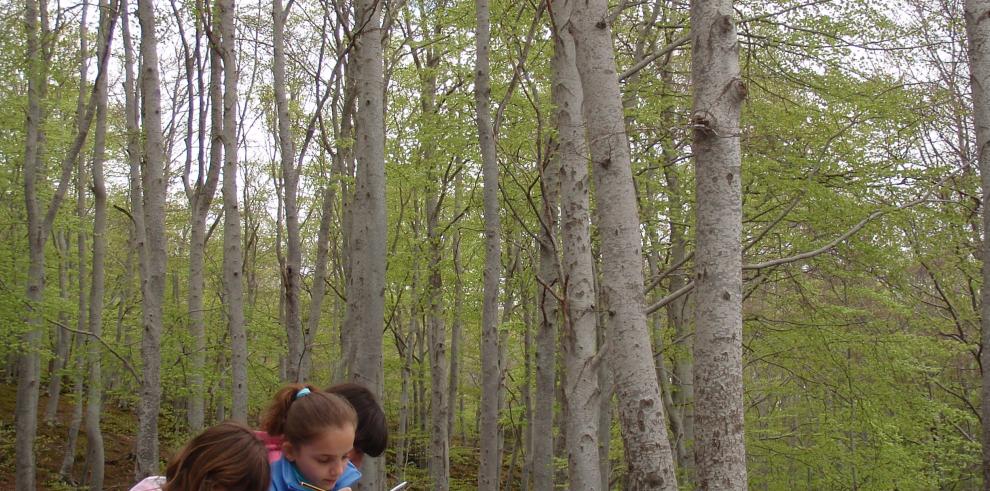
[{"x": 303, "y": 392}]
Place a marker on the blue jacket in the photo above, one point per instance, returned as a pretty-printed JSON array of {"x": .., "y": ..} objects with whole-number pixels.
[{"x": 286, "y": 477}]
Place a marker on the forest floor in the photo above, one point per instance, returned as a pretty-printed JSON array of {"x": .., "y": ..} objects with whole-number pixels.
[{"x": 119, "y": 426}]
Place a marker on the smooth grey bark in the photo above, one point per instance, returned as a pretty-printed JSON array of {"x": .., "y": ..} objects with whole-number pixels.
[
  {"x": 82, "y": 317},
  {"x": 80, "y": 183},
  {"x": 366, "y": 292},
  {"x": 232, "y": 253},
  {"x": 318, "y": 290},
  {"x": 345, "y": 170},
  {"x": 200, "y": 196},
  {"x": 673, "y": 413},
  {"x": 579, "y": 341},
  {"x": 457, "y": 324},
  {"x": 548, "y": 278},
  {"x": 406, "y": 347},
  {"x": 154, "y": 186},
  {"x": 63, "y": 336},
  {"x": 79, "y": 399},
  {"x": 677, "y": 404},
  {"x": 79, "y": 360},
  {"x": 28, "y": 366},
  {"x": 720, "y": 452},
  {"x": 529, "y": 351},
  {"x": 978, "y": 37},
  {"x": 292, "y": 262},
  {"x": 134, "y": 147},
  {"x": 439, "y": 437},
  {"x": 39, "y": 225},
  {"x": 94, "y": 397},
  {"x": 605, "y": 409},
  {"x": 439, "y": 462},
  {"x": 488, "y": 472},
  {"x": 509, "y": 304},
  {"x": 682, "y": 393},
  {"x": 78, "y": 405},
  {"x": 644, "y": 431}
]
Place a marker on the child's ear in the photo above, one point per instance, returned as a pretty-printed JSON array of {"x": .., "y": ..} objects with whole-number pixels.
[{"x": 288, "y": 451}]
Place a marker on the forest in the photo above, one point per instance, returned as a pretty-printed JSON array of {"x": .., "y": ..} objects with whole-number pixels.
[{"x": 584, "y": 245}]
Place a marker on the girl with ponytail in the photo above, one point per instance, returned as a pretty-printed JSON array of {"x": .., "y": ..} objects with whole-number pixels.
[{"x": 317, "y": 432}]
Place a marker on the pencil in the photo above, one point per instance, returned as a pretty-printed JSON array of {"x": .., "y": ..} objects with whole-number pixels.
[{"x": 310, "y": 486}]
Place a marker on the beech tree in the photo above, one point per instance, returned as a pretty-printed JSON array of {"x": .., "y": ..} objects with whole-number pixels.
[
  {"x": 233, "y": 255},
  {"x": 94, "y": 397},
  {"x": 978, "y": 34},
  {"x": 200, "y": 195},
  {"x": 39, "y": 223},
  {"x": 291, "y": 278},
  {"x": 579, "y": 340},
  {"x": 367, "y": 233},
  {"x": 719, "y": 91},
  {"x": 153, "y": 187},
  {"x": 641, "y": 413},
  {"x": 488, "y": 474}
]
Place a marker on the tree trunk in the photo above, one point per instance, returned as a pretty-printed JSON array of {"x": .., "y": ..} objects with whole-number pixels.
[
  {"x": 200, "y": 199},
  {"x": 134, "y": 149},
  {"x": 82, "y": 312},
  {"x": 94, "y": 397},
  {"x": 63, "y": 336},
  {"x": 38, "y": 227},
  {"x": 407, "y": 410},
  {"x": 644, "y": 431},
  {"x": 28, "y": 367},
  {"x": 232, "y": 257},
  {"x": 605, "y": 408},
  {"x": 720, "y": 453},
  {"x": 439, "y": 438},
  {"x": 319, "y": 279},
  {"x": 682, "y": 394},
  {"x": 80, "y": 186},
  {"x": 546, "y": 336},
  {"x": 290, "y": 186},
  {"x": 488, "y": 472},
  {"x": 78, "y": 403},
  {"x": 579, "y": 336},
  {"x": 366, "y": 292},
  {"x": 527, "y": 392},
  {"x": 978, "y": 34},
  {"x": 437, "y": 332},
  {"x": 457, "y": 321},
  {"x": 154, "y": 187}
]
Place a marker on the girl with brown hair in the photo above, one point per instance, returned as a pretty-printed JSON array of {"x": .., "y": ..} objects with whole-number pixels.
[
  {"x": 317, "y": 429},
  {"x": 225, "y": 457}
]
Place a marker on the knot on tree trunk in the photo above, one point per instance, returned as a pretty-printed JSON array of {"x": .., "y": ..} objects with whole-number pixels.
[
  {"x": 740, "y": 89},
  {"x": 702, "y": 122}
]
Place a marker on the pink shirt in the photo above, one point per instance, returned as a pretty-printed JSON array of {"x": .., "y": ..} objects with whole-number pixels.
[
  {"x": 272, "y": 443},
  {"x": 151, "y": 483}
]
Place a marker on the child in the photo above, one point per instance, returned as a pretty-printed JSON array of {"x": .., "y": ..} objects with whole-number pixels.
[
  {"x": 371, "y": 436},
  {"x": 317, "y": 429},
  {"x": 372, "y": 431},
  {"x": 224, "y": 457}
]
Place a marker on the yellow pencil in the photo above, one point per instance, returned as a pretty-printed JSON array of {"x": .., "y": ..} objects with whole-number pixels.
[{"x": 310, "y": 486}]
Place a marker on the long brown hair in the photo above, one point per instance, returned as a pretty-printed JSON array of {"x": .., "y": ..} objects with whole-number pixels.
[
  {"x": 228, "y": 456},
  {"x": 303, "y": 416}
]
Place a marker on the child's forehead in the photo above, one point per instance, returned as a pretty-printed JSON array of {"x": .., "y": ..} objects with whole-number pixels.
[{"x": 331, "y": 440}]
